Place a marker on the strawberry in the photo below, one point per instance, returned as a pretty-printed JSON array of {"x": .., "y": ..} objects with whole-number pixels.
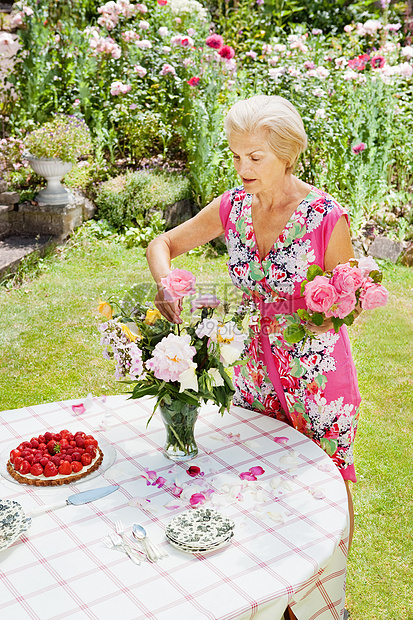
[
  {"x": 36, "y": 469},
  {"x": 64, "y": 444},
  {"x": 17, "y": 463},
  {"x": 41, "y": 439},
  {"x": 91, "y": 450},
  {"x": 34, "y": 443},
  {"x": 68, "y": 458},
  {"x": 50, "y": 470},
  {"x": 65, "y": 468},
  {"x": 42, "y": 447},
  {"x": 14, "y": 454},
  {"x": 86, "y": 459},
  {"x": 64, "y": 433},
  {"x": 80, "y": 434},
  {"x": 89, "y": 441},
  {"x": 75, "y": 456},
  {"x": 56, "y": 436},
  {"x": 25, "y": 467},
  {"x": 79, "y": 442},
  {"x": 48, "y": 436},
  {"x": 76, "y": 466},
  {"x": 55, "y": 459},
  {"x": 43, "y": 461}
]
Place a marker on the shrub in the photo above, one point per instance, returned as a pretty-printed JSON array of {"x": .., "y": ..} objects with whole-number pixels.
[{"x": 133, "y": 196}]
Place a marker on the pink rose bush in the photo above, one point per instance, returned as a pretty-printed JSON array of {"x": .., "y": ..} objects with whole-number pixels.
[
  {"x": 336, "y": 295},
  {"x": 186, "y": 362}
]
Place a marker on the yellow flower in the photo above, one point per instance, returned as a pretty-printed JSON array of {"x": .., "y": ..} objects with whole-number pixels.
[
  {"x": 152, "y": 316},
  {"x": 131, "y": 331},
  {"x": 105, "y": 309}
]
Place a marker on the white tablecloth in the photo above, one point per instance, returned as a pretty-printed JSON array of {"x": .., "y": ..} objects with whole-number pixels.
[{"x": 289, "y": 545}]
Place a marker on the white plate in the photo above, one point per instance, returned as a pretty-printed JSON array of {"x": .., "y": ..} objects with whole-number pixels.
[
  {"x": 13, "y": 522},
  {"x": 109, "y": 457}
]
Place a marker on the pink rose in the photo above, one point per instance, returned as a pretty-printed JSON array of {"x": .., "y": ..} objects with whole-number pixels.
[
  {"x": 373, "y": 296},
  {"x": 319, "y": 295},
  {"x": 343, "y": 306},
  {"x": 177, "y": 284},
  {"x": 347, "y": 279},
  {"x": 367, "y": 264}
]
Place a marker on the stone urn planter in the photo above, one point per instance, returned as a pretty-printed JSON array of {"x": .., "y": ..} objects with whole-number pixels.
[{"x": 53, "y": 170}]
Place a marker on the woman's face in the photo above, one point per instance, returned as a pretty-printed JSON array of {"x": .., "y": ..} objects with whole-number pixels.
[{"x": 258, "y": 166}]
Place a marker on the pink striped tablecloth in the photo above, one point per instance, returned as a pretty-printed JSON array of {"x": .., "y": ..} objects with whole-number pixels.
[{"x": 290, "y": 538}]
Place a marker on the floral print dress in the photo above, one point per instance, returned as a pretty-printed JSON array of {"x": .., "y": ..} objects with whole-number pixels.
[{"x": 312, "y": 386}]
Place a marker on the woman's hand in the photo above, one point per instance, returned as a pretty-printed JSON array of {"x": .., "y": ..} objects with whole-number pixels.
[
  {"x": 317, "y": 330},
  {"x": 171, "y": 310}
]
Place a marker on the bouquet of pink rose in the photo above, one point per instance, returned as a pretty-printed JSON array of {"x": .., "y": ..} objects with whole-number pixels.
[{"x": 338, "y": 295}]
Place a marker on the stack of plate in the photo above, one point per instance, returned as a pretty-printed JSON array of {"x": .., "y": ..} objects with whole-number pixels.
[
  {"x": 200, "y": 531},
  {"x": 13, "y": 522}
]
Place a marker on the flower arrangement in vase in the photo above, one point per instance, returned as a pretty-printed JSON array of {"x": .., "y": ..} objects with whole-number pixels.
[
  {"x": 53, "y": 148},
  {"x": 181, "y": 365}
]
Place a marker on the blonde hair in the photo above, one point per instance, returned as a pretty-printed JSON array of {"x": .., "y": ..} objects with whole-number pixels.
[{"x": 277, "y": 117}]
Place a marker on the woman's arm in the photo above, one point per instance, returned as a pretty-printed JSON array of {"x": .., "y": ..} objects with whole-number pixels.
[
  {"x": 206, "y": 225},
  {"x": 339, "y": 251}
]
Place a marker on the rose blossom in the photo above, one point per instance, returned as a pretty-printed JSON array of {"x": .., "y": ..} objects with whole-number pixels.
[
  {"x": 142, "y": 8},
  {"x": 347, "y": 279},
  {"x": 143, "y": 25},
  {"x": 163, "y": 31},
  {"x": 178, "y": 283},
  {"x": 358, "y": 148},
  {"x": 373, "y": 295},
  {"x": 227, "y": 52},
  {"x": 167, "y": 69},
  {"x": 367, "y": 264},
  {"x": 343, "y": 306},
  {"x": 319, "y": 294},
  {"x": 141, "y": 71},
  {"x": 215, "y": 41},
  {"x": 171, "y": 357}
]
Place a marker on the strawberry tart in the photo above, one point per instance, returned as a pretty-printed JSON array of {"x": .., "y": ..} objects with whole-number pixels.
[{"x": 55, "y": 458}]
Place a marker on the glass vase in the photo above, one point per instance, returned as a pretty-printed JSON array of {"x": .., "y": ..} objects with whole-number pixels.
[{"x": 179, "y": 419}]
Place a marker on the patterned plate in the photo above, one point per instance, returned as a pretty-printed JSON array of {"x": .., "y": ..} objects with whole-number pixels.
[
  {"x": 199, "y": 528},
  {"x": 13, "y": 522},
  {"x": 202, "y": 550}
]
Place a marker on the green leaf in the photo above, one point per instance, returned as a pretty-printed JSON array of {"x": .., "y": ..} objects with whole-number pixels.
[
  {"x": 294, "y": 333},
  {"x": 313, "y": 271},
  {"x": 317, "y": 318},
  {"x": 299, "y": 407},
  {"x": 337, "y": 323},
  {"x": 256, "y": 271},
  {"x": 303, "y": 314},
  {"x": 349, "y": 319}
]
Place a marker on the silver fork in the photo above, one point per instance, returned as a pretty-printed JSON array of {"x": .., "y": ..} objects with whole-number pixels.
[
  {"x": 112, "y": 541},
  {"x": 120, "y": 531}
]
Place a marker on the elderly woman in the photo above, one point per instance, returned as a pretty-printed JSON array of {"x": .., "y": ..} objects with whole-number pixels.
[{"x": 275, "y": 227}]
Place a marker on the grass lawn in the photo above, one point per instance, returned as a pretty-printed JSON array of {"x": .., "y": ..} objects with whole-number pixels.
[{"x": 49, "y": 350}]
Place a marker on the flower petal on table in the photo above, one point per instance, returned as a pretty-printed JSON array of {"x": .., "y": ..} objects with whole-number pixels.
[
  {"x": 257, "y": 470},
  {"x": 281, "y": 440},
  {"x": 247, "y": 475},
  {"x": 196, "y": 499},
  {"x": 79, "y": 409}
]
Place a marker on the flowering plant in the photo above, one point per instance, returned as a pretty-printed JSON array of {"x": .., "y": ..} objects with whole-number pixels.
[
  {"x": 338, "y": 295},
  {"x": 188, "y": 363},
  {"x": 64, "y": 137}
]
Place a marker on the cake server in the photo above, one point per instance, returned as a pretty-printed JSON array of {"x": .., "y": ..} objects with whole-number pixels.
[{"x": 76, "y": 500}]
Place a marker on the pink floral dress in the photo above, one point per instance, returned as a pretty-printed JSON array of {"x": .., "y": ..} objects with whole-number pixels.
[{"x": 312, "y": 386}]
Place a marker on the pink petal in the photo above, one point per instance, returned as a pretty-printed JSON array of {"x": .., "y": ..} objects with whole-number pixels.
[
  {"x": 152, "y": 475},
  {"x": 209, "y": 492},
  {"x": 257, "y": 471},
  {"x": 193, "y": 471},
  {"x": 246, "y": 475},
  {"x": 175, "y": 490},
  {"x": 79, "y": 409},
  {"x": 281, "y": 440},
  {"x": 172, "y": 505},
  {"x": 197, "y": 498},
  {"x": 159, "y": 482}
]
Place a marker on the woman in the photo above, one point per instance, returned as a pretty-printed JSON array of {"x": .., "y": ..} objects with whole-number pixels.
[{"x": 276, "y": 226}]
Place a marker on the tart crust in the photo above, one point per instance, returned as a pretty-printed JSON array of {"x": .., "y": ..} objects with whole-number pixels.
[{"x": 44, "y": 482}]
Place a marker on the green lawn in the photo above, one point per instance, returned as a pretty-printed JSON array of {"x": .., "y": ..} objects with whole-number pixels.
[{"x": 49, "y": 350}]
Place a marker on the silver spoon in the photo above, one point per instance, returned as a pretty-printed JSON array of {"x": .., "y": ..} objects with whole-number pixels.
[{"x": 152, "y": 551}]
